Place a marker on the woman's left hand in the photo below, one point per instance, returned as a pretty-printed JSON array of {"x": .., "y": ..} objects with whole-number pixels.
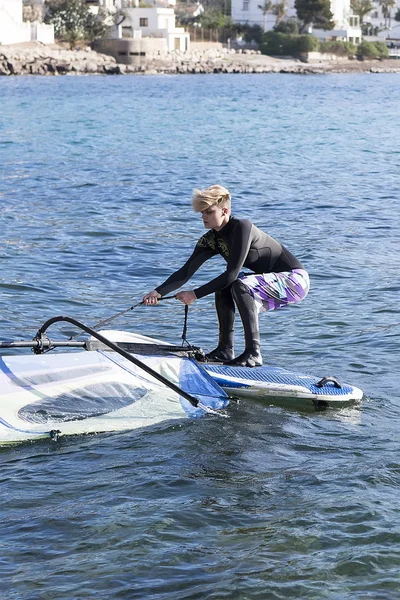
[{"x": 186, "y": 297}]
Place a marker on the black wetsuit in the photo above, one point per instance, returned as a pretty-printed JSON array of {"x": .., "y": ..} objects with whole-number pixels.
[{"x": 241, "y": 244}]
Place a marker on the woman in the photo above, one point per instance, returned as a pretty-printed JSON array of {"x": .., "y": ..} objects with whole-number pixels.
[{"x": 276, "y": 277}]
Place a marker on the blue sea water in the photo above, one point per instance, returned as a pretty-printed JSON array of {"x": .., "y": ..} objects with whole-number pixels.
[{"x": 274, "y": 502}]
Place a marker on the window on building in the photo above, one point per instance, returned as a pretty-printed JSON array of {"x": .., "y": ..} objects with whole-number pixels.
[
  {"x": 246, "y": 4},
  {"x": 143, "y": 22},
  {"x": 354, "y": 21}
]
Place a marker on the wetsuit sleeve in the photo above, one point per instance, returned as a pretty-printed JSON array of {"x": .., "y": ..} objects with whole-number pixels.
[
  {"x": 180, "y": 277},
  {"x": 239, "y": 249}
]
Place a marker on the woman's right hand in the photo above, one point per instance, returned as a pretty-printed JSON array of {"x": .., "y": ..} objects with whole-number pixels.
[{"x": 151, "y": 299}]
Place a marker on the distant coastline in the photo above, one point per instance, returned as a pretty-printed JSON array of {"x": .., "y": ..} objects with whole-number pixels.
[{"x": 39, "y": 59}]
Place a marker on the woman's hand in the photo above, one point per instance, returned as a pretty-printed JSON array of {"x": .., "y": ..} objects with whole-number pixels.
[
  {"x": 151, "y": 299},
  {"x": 186, "y": 297}
]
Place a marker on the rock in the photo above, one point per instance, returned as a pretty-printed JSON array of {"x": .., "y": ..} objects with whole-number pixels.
[
  {"x": 37, "y": 68},
  {"x": 111, "y": 69},
  {"x": 4, "y": 70},
  {"x": 51, "y": 66},
  {"x": 63, "y": 67},
  {"x": 55, "y": 60},
  {"x": 89, "y": 66},
  {"x": 15, "y": 68}
]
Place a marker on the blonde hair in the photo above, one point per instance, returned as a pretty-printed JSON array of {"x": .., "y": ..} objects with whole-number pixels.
[{"x": 216, "y": 195}]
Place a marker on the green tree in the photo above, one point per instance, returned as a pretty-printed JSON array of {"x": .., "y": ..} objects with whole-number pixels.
[
  {"x": 287, "y": 26},
  {"x": 265, "y": 9},
  {"x": 73, "y": 21},
  {"x": 386, "y": 6},
  {"x": 97, "y": 26},
  {"x": 279, "y": 11},
  {"x": 361, "y": 8},
  {"x": 250, "y": 32},
  {"x": 314, "y": 12},
  {"x": 32, "y": 12},
  {"x": 213, "y": 18}
]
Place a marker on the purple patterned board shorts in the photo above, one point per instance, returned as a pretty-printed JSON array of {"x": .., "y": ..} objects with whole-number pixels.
[{"x": 274, "y": 290}]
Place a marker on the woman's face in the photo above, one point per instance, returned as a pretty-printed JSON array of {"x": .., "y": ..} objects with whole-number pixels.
[{"x": 215, "y": 217}]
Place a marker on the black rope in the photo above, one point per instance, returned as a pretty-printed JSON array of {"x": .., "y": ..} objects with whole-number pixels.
[
  {"x": 198, "y": 352},
  {"x": 184, "y": 332},
  {"x": 118, "y": 314}
]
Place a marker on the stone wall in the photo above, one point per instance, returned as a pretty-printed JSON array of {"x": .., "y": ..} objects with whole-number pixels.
[
  {"x": 37, "y": 59},
  {"x": 130, "y": 51},
  {"x": 204, "y": 46},
  {"x": 318, "y": 57}
]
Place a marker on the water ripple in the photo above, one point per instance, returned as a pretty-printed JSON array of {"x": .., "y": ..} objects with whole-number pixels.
[{"x": 276, "y": 502}]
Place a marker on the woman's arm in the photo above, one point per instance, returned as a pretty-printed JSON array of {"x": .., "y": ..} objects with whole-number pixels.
[{"x": 180, "y": 277}]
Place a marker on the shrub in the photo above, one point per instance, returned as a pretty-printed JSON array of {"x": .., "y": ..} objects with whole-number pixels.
[
  {"x": 372, "y": 50},
  {"x": 282, "y": 44},
  {"x": 366, "y": 50},
  {"x": 382, "y": 49},
  {"x": 338, "y": 48},
  {"x": 279, "y": 44},
  {"x": 307, "y": 43}
]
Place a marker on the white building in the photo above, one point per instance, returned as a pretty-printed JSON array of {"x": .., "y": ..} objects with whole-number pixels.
[
  {"x": 154, "y": 22},
  {"x": 383, "y": 27},
  {"x": 13, "y": 30},
  {"x": 347, "y": 26},
  {"x": 106, "y": 5},
  {"x": 112, "y": 5}
]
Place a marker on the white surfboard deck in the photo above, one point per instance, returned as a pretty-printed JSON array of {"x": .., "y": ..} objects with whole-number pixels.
[{"x": 263, "y": 382}]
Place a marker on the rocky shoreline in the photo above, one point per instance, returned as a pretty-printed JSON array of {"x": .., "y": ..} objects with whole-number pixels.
[{"x": 38, "y": 59}]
